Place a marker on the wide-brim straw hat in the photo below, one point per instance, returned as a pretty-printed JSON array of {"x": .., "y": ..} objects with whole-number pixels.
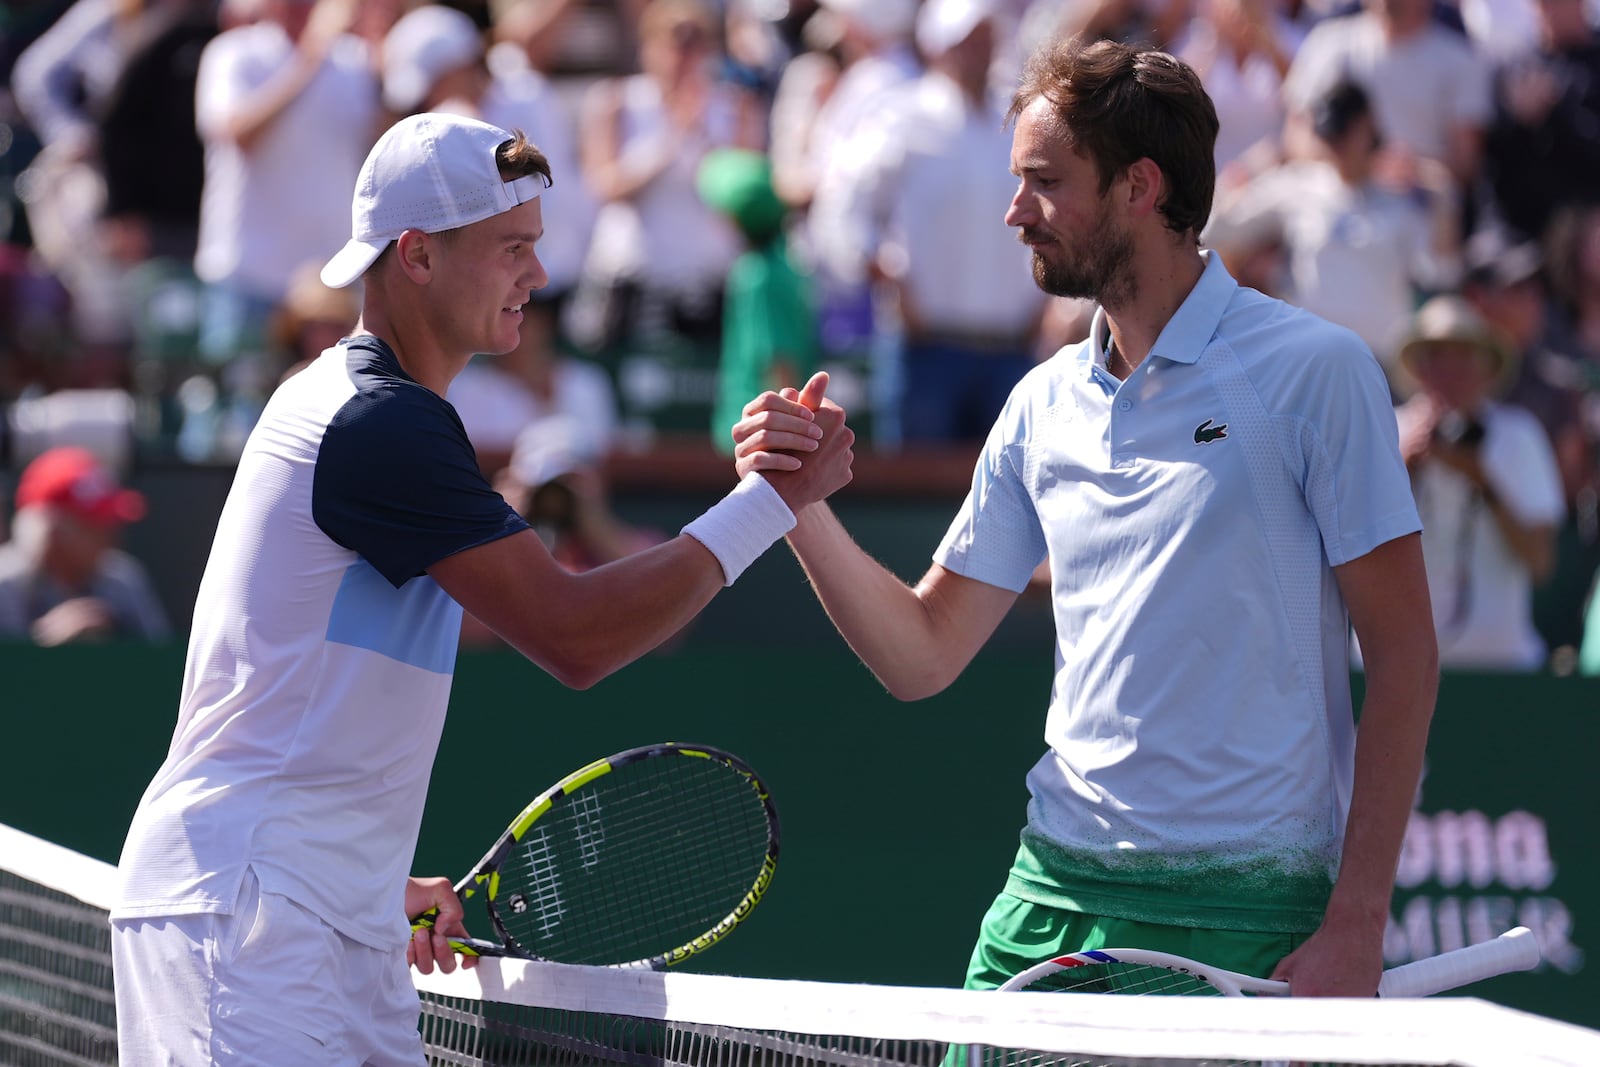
[{"x": 1450, "y": 319}]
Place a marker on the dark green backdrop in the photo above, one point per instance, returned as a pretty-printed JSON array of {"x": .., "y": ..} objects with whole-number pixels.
[{"x": 899, "y": 819}]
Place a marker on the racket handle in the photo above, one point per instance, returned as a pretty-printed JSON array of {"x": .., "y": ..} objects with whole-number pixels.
[
  {"x": 477, "y": 946},
  {"x": 466, "y": 946},
  {"x": 1514, "y": 950}
]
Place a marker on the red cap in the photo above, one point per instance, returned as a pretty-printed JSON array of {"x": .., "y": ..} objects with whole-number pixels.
[{"x": 73, "y": 479}]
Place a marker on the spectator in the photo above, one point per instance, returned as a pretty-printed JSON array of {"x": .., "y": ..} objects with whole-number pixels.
[
  {"x": 658, "y": 256},
  {"x": 286, "y": 107},
  {"x": 434, "y": 60},
  {"x": 1505, "y": 283},
  {"x": 499, "y": 396},
  {"x": 807, "y": 83},
  {"x": 1355, "y": 252},
  {"x": 769, "y": 336},
  {"x": 61, "y": 82},
  {"x": 153, "y": 212},
  {"x": 311, "y": 319},
  {"x": 529, "y": 34},
  {"x": 1543, "y": 147},
  {"x": 874, "y": 44},
  {"x": 555, "y": 479},
  {"x": 556, "y": 482},
  {"x": 1486, "y": 485},
  {"x": 1241, "y": 49},
  {"x": 957, "y": 289},
  {"x": 62, "y": 577},
  {"x": 1429, "y": 90}
]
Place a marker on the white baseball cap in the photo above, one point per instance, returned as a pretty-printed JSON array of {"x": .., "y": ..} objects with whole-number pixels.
[
  {"x": 423, "y": 46},
  {"x": 943, "y": 24},
  {"x": 429, "y": 172}
]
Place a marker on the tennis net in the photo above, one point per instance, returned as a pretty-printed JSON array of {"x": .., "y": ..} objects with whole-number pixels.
[{"x": 56, "y": 1009}]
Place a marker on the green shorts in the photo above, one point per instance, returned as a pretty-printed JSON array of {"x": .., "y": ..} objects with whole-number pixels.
[{"x": 1017, "y": 933}]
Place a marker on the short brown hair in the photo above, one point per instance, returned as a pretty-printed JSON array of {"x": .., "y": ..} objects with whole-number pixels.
[
  {"x": 519, "y": 157},
  {"x": 1119, "y": 104}
]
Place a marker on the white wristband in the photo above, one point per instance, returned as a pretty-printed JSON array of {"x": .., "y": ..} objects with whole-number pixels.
[{"x": 742, "y": 525}]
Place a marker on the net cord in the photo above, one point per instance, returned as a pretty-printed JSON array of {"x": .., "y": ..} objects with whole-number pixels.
[{"x": 1451, "y": 1030}]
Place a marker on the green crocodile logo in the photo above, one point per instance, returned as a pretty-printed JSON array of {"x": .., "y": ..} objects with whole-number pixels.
[{"x": 1205, "y": 433}]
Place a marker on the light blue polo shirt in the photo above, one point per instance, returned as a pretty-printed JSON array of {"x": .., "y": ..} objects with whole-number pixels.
[{"x": 1200, "y": 730}]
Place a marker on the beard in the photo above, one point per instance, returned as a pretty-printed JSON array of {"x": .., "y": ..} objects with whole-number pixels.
[{"x": 1093, "y": 268}]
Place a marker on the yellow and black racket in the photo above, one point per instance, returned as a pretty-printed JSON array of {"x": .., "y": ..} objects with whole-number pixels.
[{"x": 642, "y": 859}]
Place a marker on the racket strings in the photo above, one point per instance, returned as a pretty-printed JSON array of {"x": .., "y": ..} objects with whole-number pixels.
[{"x": 638, "y": 861}]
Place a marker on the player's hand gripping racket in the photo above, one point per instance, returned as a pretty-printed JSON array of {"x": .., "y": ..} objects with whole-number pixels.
[
  {"x": 642, "y": 859},
  {"x": 1136, "y": 971},
  {"x": 1141, "y": 972}
]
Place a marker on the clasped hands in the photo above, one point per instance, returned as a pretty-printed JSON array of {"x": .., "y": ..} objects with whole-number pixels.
[{"x": 799, "y": 442}]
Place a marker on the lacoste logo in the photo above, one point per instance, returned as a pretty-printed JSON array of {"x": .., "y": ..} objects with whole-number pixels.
[{"x": 1205, "y": 433}]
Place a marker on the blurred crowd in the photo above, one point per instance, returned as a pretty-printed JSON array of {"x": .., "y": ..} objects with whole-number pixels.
[{"x": 750, "y": 190}]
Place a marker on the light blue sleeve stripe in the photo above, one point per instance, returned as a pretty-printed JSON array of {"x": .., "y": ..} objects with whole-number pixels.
[{"x": 417, "y": 624}]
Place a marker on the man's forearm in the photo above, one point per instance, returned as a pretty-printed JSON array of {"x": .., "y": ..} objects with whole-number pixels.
[{"x": 1401, "y": 687}]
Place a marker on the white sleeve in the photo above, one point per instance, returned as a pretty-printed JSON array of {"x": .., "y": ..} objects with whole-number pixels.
[
  {"x": 47, "y": 78},
  {"x": 1521, "y": 466}
]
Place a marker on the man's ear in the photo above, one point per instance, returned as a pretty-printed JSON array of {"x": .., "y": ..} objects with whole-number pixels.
[
  {"x": 414, "y": 253},
  {"x": 1146, "y": 187}
]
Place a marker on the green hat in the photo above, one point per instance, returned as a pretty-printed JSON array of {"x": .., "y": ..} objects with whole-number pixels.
[{"x": 738, "y": 183}]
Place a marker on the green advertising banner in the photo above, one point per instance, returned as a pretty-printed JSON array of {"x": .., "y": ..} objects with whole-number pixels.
[
  {"x": 899, "y": 819},
  {"x": 1503, "y": 836}
]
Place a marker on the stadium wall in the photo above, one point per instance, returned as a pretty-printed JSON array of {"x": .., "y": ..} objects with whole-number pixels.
[{"x": 899, "y": 820}]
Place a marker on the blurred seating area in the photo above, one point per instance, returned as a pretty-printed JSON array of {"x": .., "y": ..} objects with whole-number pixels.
[{"x": 750, "y": 190}]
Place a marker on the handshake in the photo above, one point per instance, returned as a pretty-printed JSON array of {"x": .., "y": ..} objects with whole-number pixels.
[{"x": 798, "y": 441}]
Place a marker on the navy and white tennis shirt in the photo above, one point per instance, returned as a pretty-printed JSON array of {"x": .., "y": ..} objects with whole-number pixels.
[{"x": 320, "y": 656}]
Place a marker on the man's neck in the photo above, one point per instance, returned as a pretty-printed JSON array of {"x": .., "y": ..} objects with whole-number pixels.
[
  {"x": 1161, "y": 285},
  {"x": 414, "y": 347}
]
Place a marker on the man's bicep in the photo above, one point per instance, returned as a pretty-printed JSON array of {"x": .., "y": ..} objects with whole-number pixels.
[{"x": 498, "y": 581}]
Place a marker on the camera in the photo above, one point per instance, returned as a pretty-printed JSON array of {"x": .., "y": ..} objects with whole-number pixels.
[
  {"x": 552, "y": 506},
  {"x": 1459, "y": 430}
]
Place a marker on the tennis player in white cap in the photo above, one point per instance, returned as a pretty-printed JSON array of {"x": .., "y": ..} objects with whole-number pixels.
[{"x": 264, "y": 897}]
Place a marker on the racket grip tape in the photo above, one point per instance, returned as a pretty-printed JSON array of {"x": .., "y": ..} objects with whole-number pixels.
[
  {"x": 1514, "y": 950},
  {"x": 466, "y": 946}
]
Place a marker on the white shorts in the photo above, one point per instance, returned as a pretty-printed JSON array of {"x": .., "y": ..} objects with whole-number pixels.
[{"x": 270, "y": 984}]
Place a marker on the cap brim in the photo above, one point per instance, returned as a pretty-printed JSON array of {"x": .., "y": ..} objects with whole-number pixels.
[{"x": 351, "y": 262}]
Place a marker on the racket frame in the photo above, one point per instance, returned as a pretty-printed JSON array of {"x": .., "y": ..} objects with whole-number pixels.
[
  {"x": 1514, "y": 950},
  {"x": 484, "y": 877}
]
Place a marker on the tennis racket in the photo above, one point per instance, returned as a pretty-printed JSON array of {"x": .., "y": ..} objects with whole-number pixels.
[
  {"x": 642, "y": 859},
  {"x": 1137, "y": 971}
]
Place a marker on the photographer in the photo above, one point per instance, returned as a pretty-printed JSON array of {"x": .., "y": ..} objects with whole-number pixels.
[{"x": 1487, "y": 487}]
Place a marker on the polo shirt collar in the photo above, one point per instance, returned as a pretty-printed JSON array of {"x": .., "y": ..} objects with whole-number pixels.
[{"x": 1191, "y": 327}]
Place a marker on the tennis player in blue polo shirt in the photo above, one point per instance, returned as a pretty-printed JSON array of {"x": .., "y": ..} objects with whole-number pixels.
[{"x": 1215, "y": 479}]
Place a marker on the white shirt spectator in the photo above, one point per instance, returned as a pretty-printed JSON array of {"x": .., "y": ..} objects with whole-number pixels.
[
  {"x": 927, "y": 193},
  {"x": 496, "y": 406},
  {"x": 665, "y": 236},
  {"x": 287, "y": 200},
  {"x": 1248, "y": 95},
  {"x": 1354, "y": 256},
  {"x": 71, "y": 64},
  {"x": 520, "y": 98},
  {"x": 1421, "y": 87},
  {"x": 1482, "y": 592},
  {"x": 860, "y": 94}
]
